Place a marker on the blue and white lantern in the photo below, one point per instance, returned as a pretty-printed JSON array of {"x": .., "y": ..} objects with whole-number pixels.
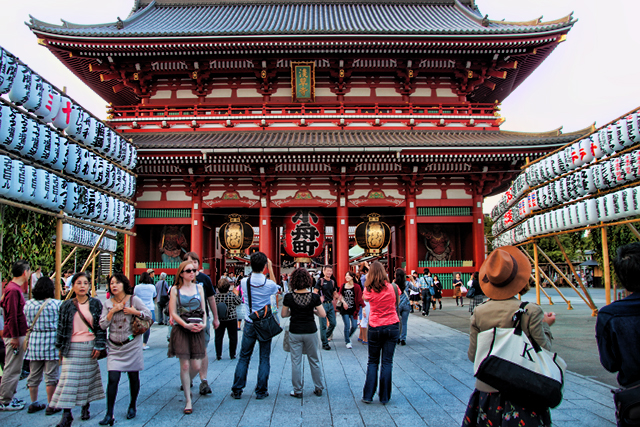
[
  {"x": 8, "y": 70},
  {"x": 6, "y": 170},
  {"x": 21, "y": 87}
]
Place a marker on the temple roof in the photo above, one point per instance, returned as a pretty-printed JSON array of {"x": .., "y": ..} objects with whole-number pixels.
[
  {"x": 373, "y": 141},
  {"x": 187, "y": 18}
]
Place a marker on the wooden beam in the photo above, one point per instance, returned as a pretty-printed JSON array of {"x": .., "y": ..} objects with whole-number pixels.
[
  {"x": 569, "y": 306},
  {"x": 536, "y": 265},
  {"x": 605, "y": 262},
  {"x": 594, "y": 309},
  {"x": 566, "y": 279},
  {"x": 65, "y": 261},
  {"x": 58, "y": 286},
  {"x": 634, "y": 230}
]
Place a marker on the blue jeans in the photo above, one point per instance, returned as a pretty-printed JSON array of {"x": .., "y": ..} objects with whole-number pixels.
[
  {"x": 348, "y": 331},
  {"x": 249, "y": 339},
  {"x": 382, "y": 339},
  {"x": 403, "y": 312},
  {"x": 145, "y": 336},
  {"x": 331, "y": 316}
]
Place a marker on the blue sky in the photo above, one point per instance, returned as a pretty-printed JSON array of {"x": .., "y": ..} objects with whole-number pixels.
[{"x": 592, "y": 77}]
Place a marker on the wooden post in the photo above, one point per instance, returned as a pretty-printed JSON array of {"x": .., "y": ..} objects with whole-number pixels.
[
  {"x": 58, "y": 275},
  {"x": 561, "y": 273},
  {"x": 537, "y": 270},
  {"x": 634, "y": 230},
  {"x": 594, "y": 309},
  {"x": 110, "y": 264},
  {"x": 93, "y": 277},
  {"x": 605, "y": 263},
  {"x": 73, "y": 251}
]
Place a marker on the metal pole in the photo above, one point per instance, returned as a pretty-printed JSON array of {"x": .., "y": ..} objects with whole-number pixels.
[
  {"x": 605, "y": 263},
  {"x": 537, "y": 270}
]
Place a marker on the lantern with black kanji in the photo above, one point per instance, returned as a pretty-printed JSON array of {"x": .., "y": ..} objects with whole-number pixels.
[
  {"x": 236, "y": 235},
  {"x": 304, "y": 234},
  {"x": 373, "y": 235}
]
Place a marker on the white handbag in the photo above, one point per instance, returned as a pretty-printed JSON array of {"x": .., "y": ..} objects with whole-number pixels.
[{"x": 519, "y": 368}]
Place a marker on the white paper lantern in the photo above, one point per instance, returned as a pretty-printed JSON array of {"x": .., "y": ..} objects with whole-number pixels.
[
  {"x": 21, "y": 87},
  {"x": 8, "y": 69}
]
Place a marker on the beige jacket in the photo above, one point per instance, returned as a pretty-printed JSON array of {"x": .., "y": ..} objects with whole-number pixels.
[{"x": 499, "y": 313}]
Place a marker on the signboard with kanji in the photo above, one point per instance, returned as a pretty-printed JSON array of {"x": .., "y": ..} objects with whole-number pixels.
[
  {"x": 304, "y": 234},
  {"x": 303, "y": 81}
]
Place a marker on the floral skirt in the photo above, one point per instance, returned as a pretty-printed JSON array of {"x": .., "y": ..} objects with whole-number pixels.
[{"x": 494, "y": 410}]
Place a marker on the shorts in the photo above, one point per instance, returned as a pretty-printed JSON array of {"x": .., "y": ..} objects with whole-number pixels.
[{"x": 37, "y": 367}]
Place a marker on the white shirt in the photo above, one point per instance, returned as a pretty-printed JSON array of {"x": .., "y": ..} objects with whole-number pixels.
[
  {"x": 261, "y": 291},
  {"x": 146, "y": 292}
]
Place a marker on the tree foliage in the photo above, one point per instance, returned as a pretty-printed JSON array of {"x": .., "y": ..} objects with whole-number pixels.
[{"x": 617, "y": 236}]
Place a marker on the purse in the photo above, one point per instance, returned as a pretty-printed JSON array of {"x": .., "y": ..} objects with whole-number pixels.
[
  {"x": 265, "y": 325},
  {"x": 25, "y": 344},
  {"x": 139, "y": 325},
  {"x": 103, "y": 353},
  {"x": 518, "y": 367},
  {"x": 627, "y": 403},
  {"x": 471, "y": 292}
]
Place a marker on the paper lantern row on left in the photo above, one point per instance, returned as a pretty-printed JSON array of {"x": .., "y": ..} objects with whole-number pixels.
[
  {"x": 33, "y": 93},
  {"x": 34, "y": 141},
  {"x": 27, "y": 184},
  {"x": 80, "y": 236}
]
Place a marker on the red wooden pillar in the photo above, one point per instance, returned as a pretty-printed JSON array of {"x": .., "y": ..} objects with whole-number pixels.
[
  {"x": 196, "y": 222},
  {"x": 264, "y": 245},
  {"x": 478, "y": 232},
  {"x": 341, "y": 238},
  {"x": 411, "y": 227},
  {"x": 129, "y": 254}
]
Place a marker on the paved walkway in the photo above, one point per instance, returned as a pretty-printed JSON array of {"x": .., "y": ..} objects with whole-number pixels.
[{"x": 432, "y": 380}]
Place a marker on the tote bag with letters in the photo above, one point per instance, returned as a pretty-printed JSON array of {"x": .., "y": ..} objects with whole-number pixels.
[{"x": 518, "y": 367}]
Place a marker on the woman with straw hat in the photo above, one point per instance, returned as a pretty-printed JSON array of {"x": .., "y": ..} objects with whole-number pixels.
[{"x": 505, "y": 274}]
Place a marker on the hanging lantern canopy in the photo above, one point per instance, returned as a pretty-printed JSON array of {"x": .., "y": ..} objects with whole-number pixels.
[
  {"x": 304, "y": 234},
  {"x": 235, "y": 236},
  {"x": 373, "y": 235}
]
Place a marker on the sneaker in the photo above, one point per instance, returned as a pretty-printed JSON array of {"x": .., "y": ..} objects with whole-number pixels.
[
  {"x": 12, "y": 406},
  {"x": 318, "y": 392},
  {"x": 349, "y": 345},
  {"x": 262, "y": 396},
  {"x": 204, "y": 388},
  {"x": 236, "y": 394},
  {"x": 366, "y": 401},
  {"x": 403, "y": 342},
  {"x": 146, "y": 347},
  {"x": 326, "y": 347},
  {"x": 35, "y": 407},
  {"x": 296, "y": 395}
]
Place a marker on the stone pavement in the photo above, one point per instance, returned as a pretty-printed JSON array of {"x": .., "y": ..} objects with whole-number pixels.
[{"x": 432, "y": 380}]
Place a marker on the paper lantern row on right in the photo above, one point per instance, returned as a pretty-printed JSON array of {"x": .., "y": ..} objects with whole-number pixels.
[
  {"x": 80, "y": 236},
  {"x": 601, "y": 176},
  {"x": 607, "y": 141},
  {"x": 614, "y": 206},
  {"x": 35, "y": 186},
  {"x": 33, "y": 93}
]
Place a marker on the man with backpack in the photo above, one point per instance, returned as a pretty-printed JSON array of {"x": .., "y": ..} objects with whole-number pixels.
[
  {"x": 162, "y": 298},
  {"x": 328, "y": 291}
]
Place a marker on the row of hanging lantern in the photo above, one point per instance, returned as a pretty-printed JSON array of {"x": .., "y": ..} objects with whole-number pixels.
[
  {"x": 604, "y": 175},
  {"x": 80, "y": 236},
  {"x": 28, "y": 184},
  {"x": 304, "y": 235},
  {"x": 622, "y": 134},
  {"x": 33, "y": 93}
]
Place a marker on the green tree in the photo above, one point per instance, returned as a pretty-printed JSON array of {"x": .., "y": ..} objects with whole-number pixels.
[{"x": 617, "y": 236}]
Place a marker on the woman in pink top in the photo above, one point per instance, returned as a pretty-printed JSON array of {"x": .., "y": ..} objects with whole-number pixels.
[{"x": 383, "y": 333}]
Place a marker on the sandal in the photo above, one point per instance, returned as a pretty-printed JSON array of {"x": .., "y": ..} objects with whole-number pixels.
[{"x": 188, "y": 411}]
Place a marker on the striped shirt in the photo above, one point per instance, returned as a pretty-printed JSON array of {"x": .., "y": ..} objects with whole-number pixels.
[{"x": 42, "y": 339}]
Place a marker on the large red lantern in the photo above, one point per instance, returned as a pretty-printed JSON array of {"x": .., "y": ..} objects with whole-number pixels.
[{"x": 304, "y": 234}]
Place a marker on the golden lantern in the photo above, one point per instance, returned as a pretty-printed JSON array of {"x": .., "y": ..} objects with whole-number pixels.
[
  {"x": 373, "y": 235},
  {"x": 236, "y": 235}
]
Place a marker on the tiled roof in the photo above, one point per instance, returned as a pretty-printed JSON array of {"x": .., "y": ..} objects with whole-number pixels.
[
  {"x": 309, "y": 141},
  {"x": 318, "y": 18}
]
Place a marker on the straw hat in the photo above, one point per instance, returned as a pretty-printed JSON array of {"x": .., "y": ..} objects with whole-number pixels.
[{"x": 504, "y": 273}]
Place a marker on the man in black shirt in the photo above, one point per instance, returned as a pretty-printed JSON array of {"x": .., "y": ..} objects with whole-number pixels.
[
  {"x": 328, "y": 291},
  {"x": 209, "y": 293}
]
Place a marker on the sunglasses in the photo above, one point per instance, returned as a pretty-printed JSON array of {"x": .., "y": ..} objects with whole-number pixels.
[{"x": 189, "y": 270}]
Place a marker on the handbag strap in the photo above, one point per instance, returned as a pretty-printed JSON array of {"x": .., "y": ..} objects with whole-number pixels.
[
  {"x": 86, "y": 322},
  {"x": 517, "y": 324},
  {"x": 395, "y": 291}
]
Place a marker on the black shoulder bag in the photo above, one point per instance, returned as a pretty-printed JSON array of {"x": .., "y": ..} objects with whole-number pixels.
[
  {"x": 264, "y": 323},
  {"x": 627, "y": 402}
]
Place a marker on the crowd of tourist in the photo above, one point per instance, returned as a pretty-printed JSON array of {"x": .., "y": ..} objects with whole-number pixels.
[{"x": 62, "y": 341}]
